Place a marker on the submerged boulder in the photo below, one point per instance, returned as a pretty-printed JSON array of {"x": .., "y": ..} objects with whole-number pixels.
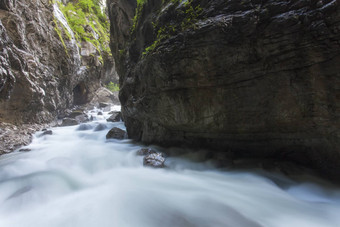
[
  {"x": 100, "y": 127},
  {"x": 116, "y": 133},
  {"x": 84, "y": 127}
]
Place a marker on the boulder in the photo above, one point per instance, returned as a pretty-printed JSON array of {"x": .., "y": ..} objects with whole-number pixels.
[
  {"x": 104, "y": 96},
  {"x": 24, "y": 150},
  {"x": 100, "y": 127},
  {"x": 84, "y": 127},
  {"x": 104, "y": 104},
  {"x": 78, "y": 115},
  {"x": 46, "y": 132},
  {"x": 115, "y": 117},
  {"x": 155, "y": 160},
  {"x": 145, "y": 151},
  {"x": 69, "y": 122},
  {"x": 116, "y": 133}
]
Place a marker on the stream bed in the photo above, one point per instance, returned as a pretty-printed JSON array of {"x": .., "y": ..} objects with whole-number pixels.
[{"x": 77, "y": 178}]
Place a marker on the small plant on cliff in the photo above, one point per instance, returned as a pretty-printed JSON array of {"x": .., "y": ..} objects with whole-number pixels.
[
  {"x": 190, "y": 13},
  {"x": 138, "y": 13},
  {"x": 112, "y": 87}
]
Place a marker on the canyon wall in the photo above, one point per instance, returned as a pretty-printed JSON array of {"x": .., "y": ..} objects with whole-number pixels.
[
  {"x": 45, "y": 67},
  {"x": 252, "y": 78}
]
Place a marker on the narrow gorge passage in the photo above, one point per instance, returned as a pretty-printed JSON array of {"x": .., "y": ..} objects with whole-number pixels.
[
  {"x": 169, "y": 113},
  {"x": 75, "y": 177}
]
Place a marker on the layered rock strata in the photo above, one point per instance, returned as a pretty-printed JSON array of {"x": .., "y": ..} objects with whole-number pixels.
[{"x": 252, "y": 78}]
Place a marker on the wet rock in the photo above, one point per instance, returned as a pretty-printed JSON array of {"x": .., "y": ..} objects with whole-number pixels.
[
  {"x": 84, "y": 127},
  {"x": 107, "y": 108},
  {"x": 116, "y": 133},
  {"x": 46, "y": 132},
  {"x": 104, "y": 96},
  {"x": 145, "y": 151},
  {"x": 69, "y": 122},
  {"x": 115, "y": 117},
  {"x": 75, "y": 114},
  {"x": 82, "y": 118},
  {"x": 100, "y": 127},
  {"x": 100, "y": 113},
  {"x": 13, "y": 137},
  {"x": 259, "y": 78},
  {"x": 42, "y": 75},
  {"x": 78, "y": 115},
  {"x": 104, "y": 104},
  {"x": 25, "y": 150},
  {"x": 155, "y": 160}
]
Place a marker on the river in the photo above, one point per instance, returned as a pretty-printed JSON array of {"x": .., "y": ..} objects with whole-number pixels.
[{"x": 76, "y": 178}]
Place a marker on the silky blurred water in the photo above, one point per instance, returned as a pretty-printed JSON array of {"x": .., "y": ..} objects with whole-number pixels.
[{"x": 76, "y": 178}]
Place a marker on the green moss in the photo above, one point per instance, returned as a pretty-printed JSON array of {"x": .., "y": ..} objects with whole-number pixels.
[
  {"x": 138, "y": 13},
  {"x": 112, "y": 87},
  {"x": 191, "y": 14},
  {"x": 87, "y": 13}
]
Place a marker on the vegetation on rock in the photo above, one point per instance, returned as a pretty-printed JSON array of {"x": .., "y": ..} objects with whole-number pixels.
[
  {"x": 88, "y": 23},
  {"x": 112, "y": 86},
  {"x": 189, "y": 14}
]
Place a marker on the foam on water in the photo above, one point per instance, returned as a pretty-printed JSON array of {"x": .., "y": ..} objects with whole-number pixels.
[{"x": 77, "y": 178}]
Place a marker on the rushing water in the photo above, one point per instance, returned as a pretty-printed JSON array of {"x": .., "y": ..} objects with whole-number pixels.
[{"x": 75, "y": 178}]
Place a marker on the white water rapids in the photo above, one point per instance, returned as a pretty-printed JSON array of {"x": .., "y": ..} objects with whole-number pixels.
[{"x": 76, "y": 178}]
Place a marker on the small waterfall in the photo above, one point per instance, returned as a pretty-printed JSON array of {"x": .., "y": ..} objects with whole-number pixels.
[{"x": 61, "y": 18}]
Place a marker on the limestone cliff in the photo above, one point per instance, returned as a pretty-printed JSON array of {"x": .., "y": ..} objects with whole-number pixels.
[
  {"x": 45, "y": 66},
  {"x": 256, "y": 78}
]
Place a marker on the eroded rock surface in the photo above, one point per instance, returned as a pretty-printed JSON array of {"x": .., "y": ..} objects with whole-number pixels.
[
  {"x": 12, "y": 137},
  {"x": 43, "y": 72},
  {"x": 254, "y": 78}
]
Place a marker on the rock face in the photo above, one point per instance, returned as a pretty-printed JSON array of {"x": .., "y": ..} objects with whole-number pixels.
[
  {"x": 254, "y": 78},
  {"x": 42, "y": 69},
  {"x": 12, "y": 137},
  {"x": 41, "y": 74}
]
